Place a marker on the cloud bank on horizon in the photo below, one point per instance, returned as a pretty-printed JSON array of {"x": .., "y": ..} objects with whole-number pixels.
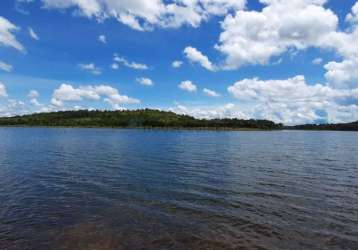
[{"x": 288, "y": 61}]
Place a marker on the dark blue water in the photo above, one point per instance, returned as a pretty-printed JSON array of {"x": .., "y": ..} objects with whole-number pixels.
[{"x": 150, "y": 189}]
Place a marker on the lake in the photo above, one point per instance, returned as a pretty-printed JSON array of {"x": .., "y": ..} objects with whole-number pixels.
[{"x": 156, "y": 189}]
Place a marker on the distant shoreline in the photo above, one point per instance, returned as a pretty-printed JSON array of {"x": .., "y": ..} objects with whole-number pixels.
[
  {"x": 144, "y": 128},
  {"x": 178, "y": 128},
  {"x": 144, "y": 118},
  {"x": 150, "y": 119}
]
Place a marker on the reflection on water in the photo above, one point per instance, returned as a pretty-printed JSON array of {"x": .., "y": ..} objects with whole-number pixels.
[{"x": 142, "y": 189}]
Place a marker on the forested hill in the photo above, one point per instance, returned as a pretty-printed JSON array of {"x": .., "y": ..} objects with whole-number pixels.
[
  {"x": 145, "y": 118},
  {"x": 353, "y": 126}
]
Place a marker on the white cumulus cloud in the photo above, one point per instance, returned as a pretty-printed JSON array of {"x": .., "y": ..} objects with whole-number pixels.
[
  {"x": 210, "y": 93},
  {"x": 68, "y": 93},
  {"x": 144, "y": 81},
  {"x": 195, "y": 56},
  {"x": 33, "y": 34},
  {"x": 3, "y": 92},
  {"x": 343, "y": 74},
  {"x": 146, "y": 14},
  {"x": 228, "y": 110},
  {"x": 317, "y": 61},
  {"x": 187, "y": 86},
  {"x": 102, "y": 39},
  {"x": 5, "y": 67},
  {"x": 292, "y": 100},
  {"x": 7, "y": 38},
  {"x": 254, "y": 37},
  {"x": 353, "y": 16},
  {"x": 115, "y": 66},
  {"x": 33, "y": 96},
  {"x": 91, "y": 68},
  {"x": 177, "y": 64},
  {"x": 133, "y": 65}
]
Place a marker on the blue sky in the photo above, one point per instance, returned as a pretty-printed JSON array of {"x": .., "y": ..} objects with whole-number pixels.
[{"x": 287, "y": 61}]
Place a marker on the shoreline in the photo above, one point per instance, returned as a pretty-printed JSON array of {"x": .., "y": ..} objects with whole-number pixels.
[
  {"x": 151, "y": 119},
  {"x": 217, "y": 129},
  {"x": 143, "y": 128}
]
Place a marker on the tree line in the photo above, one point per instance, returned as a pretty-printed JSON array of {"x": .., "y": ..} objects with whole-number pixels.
[
  {"x": 353, "y": 126},
  {"x": 143, "y": 118}
]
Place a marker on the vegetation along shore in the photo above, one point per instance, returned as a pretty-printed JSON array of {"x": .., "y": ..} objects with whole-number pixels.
[{"x": 148, "y": 118}]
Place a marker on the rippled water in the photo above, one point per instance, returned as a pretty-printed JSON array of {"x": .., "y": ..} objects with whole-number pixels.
[{"x": 151, "y": 189}]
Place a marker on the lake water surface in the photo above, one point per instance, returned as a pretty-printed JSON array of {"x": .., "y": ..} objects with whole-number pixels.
[{"x": 153, "y": 189}]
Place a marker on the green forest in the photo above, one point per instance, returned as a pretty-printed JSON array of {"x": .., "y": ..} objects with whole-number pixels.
[
  {"x": 353, "y": 126},
  {"x": 149, "y": 118},
  {"x": 145, "y": 118}
]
